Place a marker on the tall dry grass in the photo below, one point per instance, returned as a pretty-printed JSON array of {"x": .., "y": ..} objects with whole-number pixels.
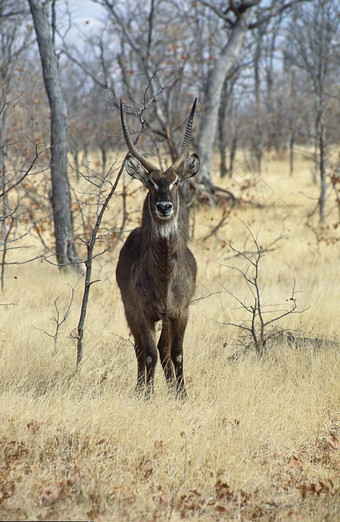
[{"x": 258, "y": 438}]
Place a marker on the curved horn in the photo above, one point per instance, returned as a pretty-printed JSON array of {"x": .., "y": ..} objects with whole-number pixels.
[
  {"x": 132, "y": 149},
  {"x": 186, "y": 141}
]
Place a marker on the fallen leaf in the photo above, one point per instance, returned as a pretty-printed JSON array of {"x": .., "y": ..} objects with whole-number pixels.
[
  {"x": 294, "y": 463},
  {"x": 333, "y": 441},
  {"x": 57, "y": 491}
]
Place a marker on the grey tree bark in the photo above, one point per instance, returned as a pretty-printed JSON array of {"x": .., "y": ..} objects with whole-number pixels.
[
  {"x": 61, "y": 195},
  {"x": 228, "y": 57},
  {"x": 209, "y": 121},
  {"x": 228, "y": 128}
]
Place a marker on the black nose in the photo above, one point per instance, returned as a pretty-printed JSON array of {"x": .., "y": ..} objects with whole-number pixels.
[{"x": 164, "y": 208}]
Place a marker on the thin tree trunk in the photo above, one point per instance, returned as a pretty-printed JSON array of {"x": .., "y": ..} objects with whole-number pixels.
[
  {"x": 222, "y": 68},
  {"x": 5, "y": 229},
  {"x": 316, "y": 157},
  {"x": 232, "y": 153},
  {"x": 291, "y": 151},
  {"x": 257, "y": 137},
  {"x": 322, "y": 167},
  {"x": 104, "y": 159},
  {"x": 292, "y": 126},
  {"x": 61, "y": 195},
  {"x": 222, "y": 142},
  {"x": 88, "y": 264}
]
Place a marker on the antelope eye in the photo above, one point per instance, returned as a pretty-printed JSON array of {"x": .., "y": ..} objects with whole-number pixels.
[
  {"x": 173, "y": 184},
  {"x": 153, "y": 184}
]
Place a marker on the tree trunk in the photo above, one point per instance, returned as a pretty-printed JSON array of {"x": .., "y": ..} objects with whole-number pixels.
[
  {"x": 61, "y": 195},
  {"x": 227, "y": 129},
  {"x": 224, "y": 64},
  {"x": 223, "y": 138},
  {"x": 257, "y": 140},
  {"x": 292, "y": 124},
  {"x": 291, "y": 150},
  {"x": 232, "y": 153},
  {"x": 322, "y": 170}
]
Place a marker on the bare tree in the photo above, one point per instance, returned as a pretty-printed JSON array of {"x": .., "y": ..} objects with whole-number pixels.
[
  {"x": 314, "y": 36},
  {"x": 14, "y": 38},
  {"x": 225, "y": 62},
  {"x": 259, "y": 326},
  {"x": 181, "y": 58},
  {"x": 59, "y": 318},
  {"x": 102, "y": 204},
  {"x": 9, "y": 213},
  {"x": 238, "y": 17},
  {"x": 157, "y": 55},
  {"x": 61, "y": 195}
]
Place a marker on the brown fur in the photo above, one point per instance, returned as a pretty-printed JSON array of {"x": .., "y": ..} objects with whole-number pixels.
[
  {"x": 156, "y": 271},
  {"x": 156, "y": 276}
]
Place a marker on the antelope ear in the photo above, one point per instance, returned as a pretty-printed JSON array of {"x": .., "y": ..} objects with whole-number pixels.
[
  {"x": 135, "y": 170},
  {"x": 190, "y": 167}
]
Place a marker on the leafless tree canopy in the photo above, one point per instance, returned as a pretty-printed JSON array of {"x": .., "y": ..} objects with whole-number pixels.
[
  {"x": 266, "y": 75},
  {"x": 252, "y": 65}
]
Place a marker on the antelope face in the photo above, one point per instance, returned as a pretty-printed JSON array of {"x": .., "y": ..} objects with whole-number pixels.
[
  {"x": 163, "y": 195},
  {"x": 163, "y": 187}
]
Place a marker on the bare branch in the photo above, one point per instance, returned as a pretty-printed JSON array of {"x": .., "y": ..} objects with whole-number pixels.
[
  {"x": 274, "y": 10},
  {"x": 258, "y": 326},
  {"x": 59, "y": 319},
  {"x": 20, "y": 180}
]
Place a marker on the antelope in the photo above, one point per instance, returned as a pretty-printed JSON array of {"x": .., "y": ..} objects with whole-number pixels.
[{"x": 156, "y": 271}]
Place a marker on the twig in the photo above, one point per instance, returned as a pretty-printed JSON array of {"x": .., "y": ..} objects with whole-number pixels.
[
  {"x": 60, "y": 320},
  {"x": 20, "y": 180},
  {"x": 205, "y": 297}
]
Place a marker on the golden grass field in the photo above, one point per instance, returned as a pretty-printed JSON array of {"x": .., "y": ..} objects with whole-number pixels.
[{"x": 258, "y": 438}]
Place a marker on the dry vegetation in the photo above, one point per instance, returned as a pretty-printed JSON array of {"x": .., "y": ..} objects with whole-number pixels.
[{"x": 258, "y": 438}]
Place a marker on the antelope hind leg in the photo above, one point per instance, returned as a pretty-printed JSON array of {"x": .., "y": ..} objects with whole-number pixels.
[{"x": 140, "y": 368}]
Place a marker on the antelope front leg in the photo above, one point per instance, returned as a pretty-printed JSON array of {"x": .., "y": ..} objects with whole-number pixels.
[
  {"x": 164, "y": 348},
  {"x": 178, "y": 327},
  {"x": 150, "y": 352},
  {"x": 146, "y": 354}
]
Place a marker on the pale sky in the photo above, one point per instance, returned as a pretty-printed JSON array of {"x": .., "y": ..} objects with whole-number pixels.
[{"x": 86, "y": 15}]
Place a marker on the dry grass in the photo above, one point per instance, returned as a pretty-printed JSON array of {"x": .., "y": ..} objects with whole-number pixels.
[{"x": 258, "y": 438}]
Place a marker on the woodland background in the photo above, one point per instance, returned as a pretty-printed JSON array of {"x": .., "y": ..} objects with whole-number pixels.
[{"x": 259, "y": 434}]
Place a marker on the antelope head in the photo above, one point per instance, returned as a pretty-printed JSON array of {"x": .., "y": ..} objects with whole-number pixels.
[{"x": 163, "y": 197}]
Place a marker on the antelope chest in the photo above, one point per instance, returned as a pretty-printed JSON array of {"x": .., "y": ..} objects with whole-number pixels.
[{"x": 164, "y": 292}]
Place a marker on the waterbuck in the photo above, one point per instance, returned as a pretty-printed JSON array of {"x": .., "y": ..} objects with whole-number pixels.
[{"x": 156, "y": 271}]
